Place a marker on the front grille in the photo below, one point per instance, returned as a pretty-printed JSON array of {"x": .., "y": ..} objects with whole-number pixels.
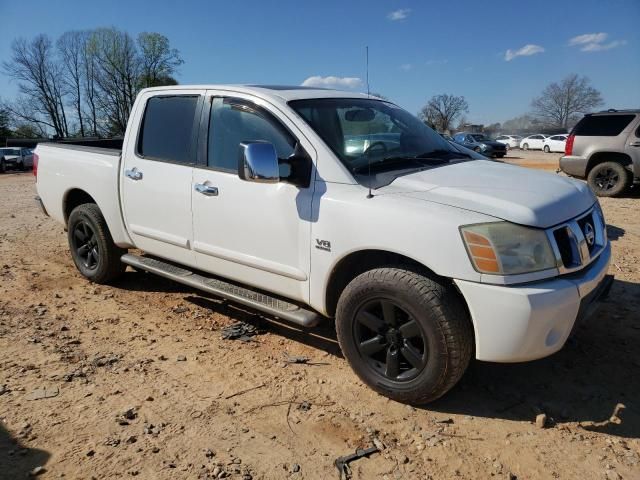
[
  {"x": 566, "y": 247},
  {"x": 578, "y": 242},
  {"x": 587, "y": 226}
]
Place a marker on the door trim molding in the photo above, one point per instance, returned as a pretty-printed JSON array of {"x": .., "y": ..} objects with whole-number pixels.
[
  {"x": 250, "y": 261},
  {"x": 160, "y": 236}
]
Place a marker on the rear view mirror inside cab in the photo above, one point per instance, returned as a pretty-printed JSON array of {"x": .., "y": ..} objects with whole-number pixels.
[{"x": 360, "y": 115}]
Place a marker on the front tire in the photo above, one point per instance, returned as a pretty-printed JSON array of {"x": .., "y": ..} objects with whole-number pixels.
[
  {"x": 609, "y": 179},
  {"x": 95, "y": 255},
  {"x": 525, "y": 146},
  {"x": 546, "y": 149},
  {"x": 3, "y": 166},
  {"x": 405, "y": 335}
]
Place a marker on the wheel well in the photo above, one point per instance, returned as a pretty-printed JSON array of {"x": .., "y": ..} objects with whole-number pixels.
[
  {"x": 74, "y": 198},
  {"x": 356, "y": 263},
  {"x": 601, "y": 157}
]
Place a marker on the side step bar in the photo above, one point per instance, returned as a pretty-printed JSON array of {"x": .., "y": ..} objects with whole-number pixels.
[{"x": 260, "y": 301}]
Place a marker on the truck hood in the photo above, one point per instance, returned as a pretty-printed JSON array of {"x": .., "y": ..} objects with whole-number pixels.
[{"x": 516, "y": 194}]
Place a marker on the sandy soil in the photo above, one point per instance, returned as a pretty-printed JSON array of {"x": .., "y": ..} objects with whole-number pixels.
[{"x": 140, "y": 383}]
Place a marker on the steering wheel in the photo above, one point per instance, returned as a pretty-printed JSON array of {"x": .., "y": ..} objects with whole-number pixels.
[{"x": 375, "y": 145}]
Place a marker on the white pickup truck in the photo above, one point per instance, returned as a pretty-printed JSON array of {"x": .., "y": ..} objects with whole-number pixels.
[{"x": 312, "y": 204}]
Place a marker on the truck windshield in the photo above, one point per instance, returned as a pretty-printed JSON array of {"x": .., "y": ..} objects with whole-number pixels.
[{"x": 366, "y": 133}]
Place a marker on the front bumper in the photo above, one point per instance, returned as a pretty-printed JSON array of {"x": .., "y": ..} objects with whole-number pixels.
[{"x": 521, "y": 323}]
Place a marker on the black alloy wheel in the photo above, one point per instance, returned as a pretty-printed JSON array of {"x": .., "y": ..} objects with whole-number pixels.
[
  {"x": 85, "y": 245},
  {"x": 390, "y": 341}
]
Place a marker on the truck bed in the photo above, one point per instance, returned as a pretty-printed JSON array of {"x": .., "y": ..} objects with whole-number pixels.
[{"x": 69, "y": 171}]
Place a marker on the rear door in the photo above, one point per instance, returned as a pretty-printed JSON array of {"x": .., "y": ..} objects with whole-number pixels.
[{"x": 157, "y": 171}]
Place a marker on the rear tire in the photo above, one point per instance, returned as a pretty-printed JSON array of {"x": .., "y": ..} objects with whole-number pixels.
[
  {"x": 609, "y": 179},
  {"x": 546, "y": 149},
  {"x": 500, "y": 155},
  {"x": 95, "y": 255},
  {"x": 405, "y": 335},
  {"x": 3, "y": 167}
]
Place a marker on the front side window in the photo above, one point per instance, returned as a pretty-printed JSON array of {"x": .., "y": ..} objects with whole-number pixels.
[
  {"x": 234, "y": 121},
  {"x": 167, "y": 128},
  {"x": 368, "y": 132}
]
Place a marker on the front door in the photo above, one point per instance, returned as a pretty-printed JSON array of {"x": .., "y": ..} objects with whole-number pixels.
[
  {"x": 157, "y": 173},
  {"x": 255, "y": 233}
]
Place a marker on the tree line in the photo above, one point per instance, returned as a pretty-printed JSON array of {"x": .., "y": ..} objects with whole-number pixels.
[
  {"x": 84, "y": 83},
  {"x": 560, "y": 106}
]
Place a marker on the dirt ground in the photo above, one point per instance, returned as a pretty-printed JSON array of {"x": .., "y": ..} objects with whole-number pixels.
[{"x": 137, "y": 381}]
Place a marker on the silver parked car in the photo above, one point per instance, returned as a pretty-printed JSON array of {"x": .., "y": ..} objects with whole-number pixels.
[
  {"x": 604, "y": 148},
  {"x": 15, "y": 158}
]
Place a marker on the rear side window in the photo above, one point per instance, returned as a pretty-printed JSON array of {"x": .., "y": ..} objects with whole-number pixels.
[
  {"x": 167, "y": 128},
  {"x": 602, "y": 125}
]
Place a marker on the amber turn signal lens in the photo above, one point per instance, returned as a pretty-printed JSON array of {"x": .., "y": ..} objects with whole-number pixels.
[{"x": 482, "y": 253}]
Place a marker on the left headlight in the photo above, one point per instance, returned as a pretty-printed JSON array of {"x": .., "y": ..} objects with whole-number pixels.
[{"x": 504, "y": 248}]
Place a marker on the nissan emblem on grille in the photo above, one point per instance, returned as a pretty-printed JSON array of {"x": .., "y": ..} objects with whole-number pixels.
[{"x": 589, "y": 234}]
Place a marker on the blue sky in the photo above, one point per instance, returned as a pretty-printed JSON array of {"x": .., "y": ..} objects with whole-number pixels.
[{"x": 417, "y": 48}]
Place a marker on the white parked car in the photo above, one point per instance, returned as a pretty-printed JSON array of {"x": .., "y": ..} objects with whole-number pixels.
[
  {"x": 554, "y": 143},
  {"x": 511, "y": 141},
  {"x": 423, "y": 253},
  {"x": 533, "y": 142}
]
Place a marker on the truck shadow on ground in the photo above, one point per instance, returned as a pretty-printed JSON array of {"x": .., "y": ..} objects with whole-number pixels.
[
  {"x": 16, "y": 460},
  {"x": 592, "y": 380}
]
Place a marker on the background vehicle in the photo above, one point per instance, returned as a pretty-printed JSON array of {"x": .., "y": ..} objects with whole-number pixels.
[
  {"x": 423, "y": 255},
  {"x": 604, "y": 148},
  {"x": 533, "y": 142},
  {"x": 15, "y": 158},
  {"x": 511, "y": 141},
  {"x": 481, "y": 143},
  {"x": 554, "y": 143}
]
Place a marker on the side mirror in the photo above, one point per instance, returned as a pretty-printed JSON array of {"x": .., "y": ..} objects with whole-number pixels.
[{"x": 258, "y": 162}]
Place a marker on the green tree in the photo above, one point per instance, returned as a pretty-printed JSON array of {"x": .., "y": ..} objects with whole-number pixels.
[{"x": 158, "y": 61}]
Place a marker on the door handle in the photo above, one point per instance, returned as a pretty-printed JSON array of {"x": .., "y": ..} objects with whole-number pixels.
[
  {"x": 206, "y": 190},
  {"x": 635, "y": 144},
  {"x": 133, "y": 174}
]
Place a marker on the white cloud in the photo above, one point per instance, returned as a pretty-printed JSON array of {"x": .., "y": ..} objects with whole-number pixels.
[
  {"x": 436, "y": 62},
  {"x": 399, "y": 14},
  {"x": 598, "y": 47},
  {"x": 594, "y": 42},
  {"x": 406, "y": 67},
  {"x": 525, "y": 51},
  {"x": 332, "y": 82},
  {"x": 588, "y": 38}
]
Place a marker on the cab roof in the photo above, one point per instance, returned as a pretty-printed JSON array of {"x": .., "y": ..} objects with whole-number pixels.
[{"x": 282, "y": 92}]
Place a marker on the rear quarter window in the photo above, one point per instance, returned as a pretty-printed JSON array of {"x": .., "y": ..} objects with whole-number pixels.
[
  {"x": 602, "y": 125},
  {"x": 167, "y": 128}
]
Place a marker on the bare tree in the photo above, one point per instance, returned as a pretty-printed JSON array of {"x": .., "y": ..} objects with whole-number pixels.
[
  {"x": 71, "y": 46},
  {"x": 158, "y": 61},
  {"x": 441, "y": 111},
  {"x": 560, "y": 103},
  {"x": 39, "y": 79}
]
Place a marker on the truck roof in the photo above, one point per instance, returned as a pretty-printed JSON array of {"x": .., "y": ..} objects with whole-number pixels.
[{"x": 282, "y": 92}]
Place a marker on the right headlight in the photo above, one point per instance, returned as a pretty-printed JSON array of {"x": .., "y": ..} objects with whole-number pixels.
[{"x": 504, "y": 248}]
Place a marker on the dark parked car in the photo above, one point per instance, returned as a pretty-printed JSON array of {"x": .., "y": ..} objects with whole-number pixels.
[{"x": 481, "y": 143}]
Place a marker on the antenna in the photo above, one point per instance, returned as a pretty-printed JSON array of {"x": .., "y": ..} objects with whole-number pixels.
[{"x": 370, "y": 195}]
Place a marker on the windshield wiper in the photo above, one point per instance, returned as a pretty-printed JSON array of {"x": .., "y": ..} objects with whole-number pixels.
[
  {"x": 395, "y": 161},
  {"x": 442, "y": 152}
]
